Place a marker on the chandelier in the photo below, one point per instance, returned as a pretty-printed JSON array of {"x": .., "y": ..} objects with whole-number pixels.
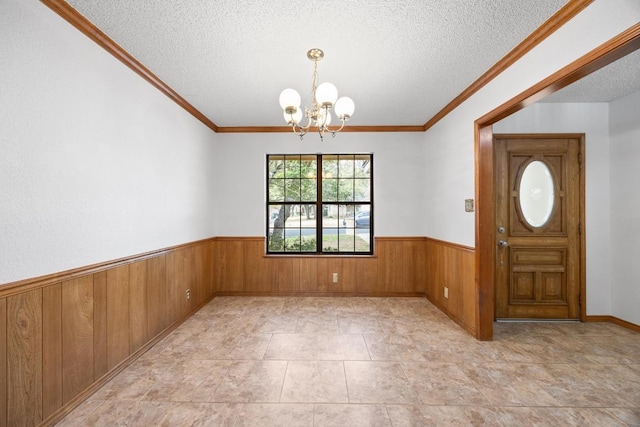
[{"x": 325, "y": 98}]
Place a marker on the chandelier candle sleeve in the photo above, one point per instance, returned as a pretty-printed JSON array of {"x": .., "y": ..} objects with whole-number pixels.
[{"x": 325, "y": 98}]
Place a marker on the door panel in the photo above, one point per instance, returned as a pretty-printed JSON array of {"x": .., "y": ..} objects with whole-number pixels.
[{"x": 538, "y": 215}]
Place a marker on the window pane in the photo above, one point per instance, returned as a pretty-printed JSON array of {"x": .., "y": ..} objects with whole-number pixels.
[
  {"x": 330, "y": 216},
  {"x": 292, "y": 189},
  {"x": 330, "y": 190},
  {"x": 329, "y": 239},
  {"x": 308, "y": 167},
  {"x": 361, "y": 218},
  {"x": 362, "y": 189},
  {"x": 293, "y": 219},
  {"x": 362, "y": 166},
  {"x": 277, "y": 215},
  {"x": 308, "y": 190},
  {"x": 329, "y": 166},
  {"x": 346, "y": 241},
  {"x": 292, "y": 240},
  {"x": 276, "y": 190},
  {"x": 345, "y": 167},
  {"x": 292, "y": 166},
  {"x": 276, "y": 239},
  {"x": 276, "y": 167},
  {"x": 308, "y": 213},
  {"x": 362, "y": 240},
  {"x": 308, "y": 240},
  {"x": 345, "y": 216},
  {"x": 345, "y": 192}
]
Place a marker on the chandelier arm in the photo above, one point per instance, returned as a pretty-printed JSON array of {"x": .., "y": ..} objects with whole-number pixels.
[{"x": 334, "y": 131}]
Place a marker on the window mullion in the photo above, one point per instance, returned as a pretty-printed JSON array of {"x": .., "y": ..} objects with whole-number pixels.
[{"x": 319, "y": 214}]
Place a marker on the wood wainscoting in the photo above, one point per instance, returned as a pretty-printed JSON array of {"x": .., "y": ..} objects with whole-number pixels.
[
  {"x": 63, "y": 336},
  {"x": 452, "y": 266},
  {"x": 398, "y": 268}
]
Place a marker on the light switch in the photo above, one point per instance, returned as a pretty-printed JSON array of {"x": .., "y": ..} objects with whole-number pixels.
[{"x": 468, "y": 205}]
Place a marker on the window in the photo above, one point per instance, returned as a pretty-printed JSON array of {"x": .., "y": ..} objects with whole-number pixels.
[{"x": 320, "y": 203}]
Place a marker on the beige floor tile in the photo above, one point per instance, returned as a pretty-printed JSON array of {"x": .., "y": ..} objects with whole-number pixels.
[
  {"x": 200, "y": 414},
  {"x": 629, "y": 416},
  {"x": 351, "y": 415},
  {"x": 318, "y": 324},
  {"x": 189, "y": 381},
  {"x": 341, "y": 347},
  {"x": 358, "y": 324},
  {"x": 314, "y": 381},
  {"x": 276, "y": 324},
  {"x": 378, "y": 382},
  {"x": 387, "y": 361},
  {"x": 584, "y": 417},
  {"x": 127, "y": 412},
  {"x": 393, "y": 347},
  {"x": 417, "y": 415},
  {"x": 252, "y": 381},
  {"x": 442, "y": 384},
  {"x": 275, "y": 415},
  {"x": 292, "y": 347}
]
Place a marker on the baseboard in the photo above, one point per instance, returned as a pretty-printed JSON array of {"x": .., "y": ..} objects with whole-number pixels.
[
  {"x": 452, "y": 316},
  {"x": 321, "y": 294},
  {"x": 613, "y": 319}
]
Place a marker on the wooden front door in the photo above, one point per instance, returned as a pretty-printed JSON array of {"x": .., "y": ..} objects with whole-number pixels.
[{"x": 538, "y": 214}]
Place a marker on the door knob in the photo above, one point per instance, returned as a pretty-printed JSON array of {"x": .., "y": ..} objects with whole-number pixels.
[{"x": 503, "y": 243}]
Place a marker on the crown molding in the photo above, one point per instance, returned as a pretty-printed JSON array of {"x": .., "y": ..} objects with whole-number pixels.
[
  {"x": 75, "y": 18},
  {"x": 564, "y": 15},
  {"x": 87, "y": 28}
]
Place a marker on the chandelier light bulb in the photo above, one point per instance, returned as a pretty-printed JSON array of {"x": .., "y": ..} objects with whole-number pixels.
[
  {"x": 290, "y": 98},
  {"x": 344, "y": 108},
  {"x": 324, "y": 117},
  {"x": 326, "y": 94},
  {"x": 294, "y": 117}
]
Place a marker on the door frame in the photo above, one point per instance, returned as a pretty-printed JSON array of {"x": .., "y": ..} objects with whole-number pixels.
[
  {"x": 582, "y": 257},
  {"x": 610, "y": 51}
]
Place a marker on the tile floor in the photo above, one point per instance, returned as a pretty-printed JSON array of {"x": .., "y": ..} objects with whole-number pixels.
[{"x": 296, "y": 361}]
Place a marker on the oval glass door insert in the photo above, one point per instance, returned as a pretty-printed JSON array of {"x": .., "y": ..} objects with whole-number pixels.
[{"x": 536, "y": 194}]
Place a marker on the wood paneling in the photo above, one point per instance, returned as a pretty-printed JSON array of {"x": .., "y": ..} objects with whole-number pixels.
[
  {"x": 156, "y": 294},
  {"x": 52, "y": 349},
  {"x": 390, "y": 266},
  {"x": 286, "y": 275},
  {"x": 138, "y": 306},
  {"x": 24, "y": 358},
  {"x": 367, "y": 275},
  {"x": 204, "y": 262},
  {"x": 229, "y": 265},
  {"x": 100, "y": 364},
  {"x": 3, "y": 362},
  {"x": 308, "y": 274},
  {"x": 69, "y": 332},
  {"x": 77, "y": 336},
  {"x": 117, "y": 315},
  {"x": 257, "y": 272},
  {"x": 452, "y": 266},
  {"x": 398, "y": 267}
]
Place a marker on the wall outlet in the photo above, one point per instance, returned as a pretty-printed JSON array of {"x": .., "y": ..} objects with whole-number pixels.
[
  {"x": 446, "y": 292},
  {"x": 188, "y": 294},
  {"x": 335, "y": 277}
]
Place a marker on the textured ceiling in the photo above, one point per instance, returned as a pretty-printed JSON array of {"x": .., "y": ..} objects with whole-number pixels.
[
  {"x": 616, "y": 80},
  {"x": 401, "y": 61}
]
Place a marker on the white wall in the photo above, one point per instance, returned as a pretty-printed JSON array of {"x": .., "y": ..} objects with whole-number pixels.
[
  {"x": 95, "y": 163},
  {"x": 625, "y": 207},
  {"x": 397, "y": 167},
  {"x": 593, "y": 121},
  {"x": 450, "y": 143}
]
